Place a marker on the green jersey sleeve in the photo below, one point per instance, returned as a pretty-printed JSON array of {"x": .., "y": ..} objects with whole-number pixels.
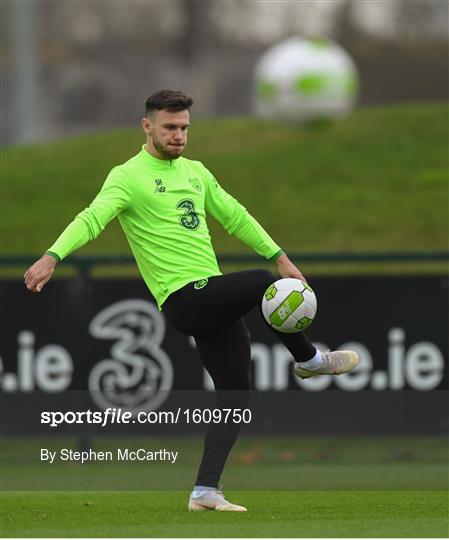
[
  {"x": 113, "y": 198},
  {"x": 237, "y": 221}
]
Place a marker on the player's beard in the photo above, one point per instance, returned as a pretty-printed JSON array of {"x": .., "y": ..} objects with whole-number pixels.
[{"x": 165, "y": 151}]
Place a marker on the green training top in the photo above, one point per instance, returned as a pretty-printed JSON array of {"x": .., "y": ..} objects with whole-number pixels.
[{"x": 161, "y": 206}]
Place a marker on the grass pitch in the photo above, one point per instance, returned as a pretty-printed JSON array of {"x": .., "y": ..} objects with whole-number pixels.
[
  {"x": 315, "y": 487},
  {"x": 376, "y": 179},
  {"x": 270, "y": 514}
]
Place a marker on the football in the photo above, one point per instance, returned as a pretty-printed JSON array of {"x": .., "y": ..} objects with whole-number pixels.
[
  {"x": 303, "y": 80},
  {"x": 289, "y": 305}
]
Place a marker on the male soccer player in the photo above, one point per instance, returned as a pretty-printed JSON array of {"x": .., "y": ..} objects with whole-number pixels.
[{"x": 161, "y": 200}]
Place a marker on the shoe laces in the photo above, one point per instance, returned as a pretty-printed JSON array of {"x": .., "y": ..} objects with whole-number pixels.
[{"x": 331, "y": 363}]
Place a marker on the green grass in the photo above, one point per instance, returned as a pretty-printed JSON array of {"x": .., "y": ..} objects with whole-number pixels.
[
  {"x": 376, "y": 180},
  {"x": 256, "y": 463},
  {"x": 292, "y": 487},
  {"x": 271, "y": 514}
]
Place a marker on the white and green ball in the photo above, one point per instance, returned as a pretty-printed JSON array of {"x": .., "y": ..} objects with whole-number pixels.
[
  {"x": 289, "y": 305},
  {"x": 302, "y": 80}
]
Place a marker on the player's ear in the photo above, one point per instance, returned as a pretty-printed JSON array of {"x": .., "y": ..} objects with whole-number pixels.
[{"x": 146, "y": 125}]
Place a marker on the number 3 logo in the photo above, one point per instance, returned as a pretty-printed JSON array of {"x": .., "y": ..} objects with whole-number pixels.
[{"x": 190, "y": 219}]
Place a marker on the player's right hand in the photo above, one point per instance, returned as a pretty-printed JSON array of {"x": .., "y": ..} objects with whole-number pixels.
[
  {"x": 287, "y": 269},
  {"x": 40, "y": 273}
]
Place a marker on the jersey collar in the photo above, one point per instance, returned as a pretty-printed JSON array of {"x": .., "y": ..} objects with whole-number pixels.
[{"x": 155, "y": 162}]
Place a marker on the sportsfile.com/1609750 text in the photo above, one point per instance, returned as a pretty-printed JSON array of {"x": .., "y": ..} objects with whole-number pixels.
[{"x": 120, "y": 416}]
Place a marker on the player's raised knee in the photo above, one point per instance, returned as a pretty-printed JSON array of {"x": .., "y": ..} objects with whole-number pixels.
[{"x": 265, "y": 277}]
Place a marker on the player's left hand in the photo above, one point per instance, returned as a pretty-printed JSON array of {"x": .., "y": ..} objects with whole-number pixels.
[{"x": 287, "y": 269}]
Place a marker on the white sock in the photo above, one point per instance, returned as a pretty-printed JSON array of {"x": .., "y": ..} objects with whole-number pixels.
[
  {"x": 199, "y": 490},
  {"x": 314, "y": 363}
]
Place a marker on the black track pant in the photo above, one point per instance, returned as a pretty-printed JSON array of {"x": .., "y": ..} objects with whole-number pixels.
[{"x": 213, "y": 315}]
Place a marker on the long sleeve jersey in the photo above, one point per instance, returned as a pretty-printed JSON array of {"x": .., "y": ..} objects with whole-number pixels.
[{"x": 161, "y": 206}]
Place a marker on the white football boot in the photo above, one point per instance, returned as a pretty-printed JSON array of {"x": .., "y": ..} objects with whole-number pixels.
[
  {"x": 334, "y": 363},
  {"x": 212, "y": 500}
]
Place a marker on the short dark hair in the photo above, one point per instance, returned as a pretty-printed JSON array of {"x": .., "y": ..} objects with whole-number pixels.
[{"x": 170, "y": 100}]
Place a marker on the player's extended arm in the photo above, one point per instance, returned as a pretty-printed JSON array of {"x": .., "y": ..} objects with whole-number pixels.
[
  {"x": 113, "y": 198},
  {"x": 237, "y": 221}
]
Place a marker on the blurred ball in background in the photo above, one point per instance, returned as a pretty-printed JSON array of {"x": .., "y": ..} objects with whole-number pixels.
[{"x": 302, "y": 80}]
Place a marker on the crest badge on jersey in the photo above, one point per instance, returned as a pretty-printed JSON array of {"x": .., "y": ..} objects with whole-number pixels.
[{"x": 196, "y": 184}]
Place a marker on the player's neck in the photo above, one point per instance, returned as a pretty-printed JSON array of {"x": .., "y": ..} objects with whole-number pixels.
[{"x": 153, "y": 152}]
